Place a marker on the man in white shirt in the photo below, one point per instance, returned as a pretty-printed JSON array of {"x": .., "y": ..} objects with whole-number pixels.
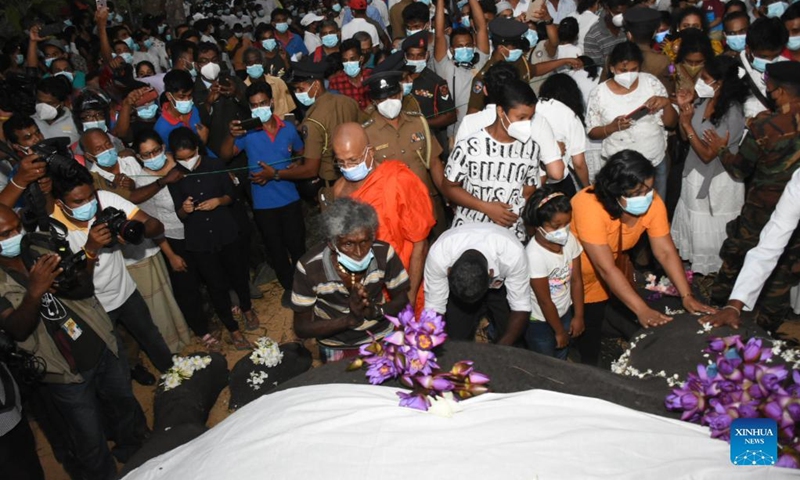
[
  {"x": 479, "y": 269},
  {"x": 77, "y": 207},
  {"x": 359, "y": 24},
  {"x": 310, "y": 37},
  {"x": 766, "y": 259},
  {"x": 560, "y": 9}
]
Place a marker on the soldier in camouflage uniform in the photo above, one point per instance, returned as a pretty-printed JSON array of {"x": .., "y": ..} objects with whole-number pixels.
[{"x": 768, "y": 156}]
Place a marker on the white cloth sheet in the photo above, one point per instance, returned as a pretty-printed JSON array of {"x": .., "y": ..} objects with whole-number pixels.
[{"x": 357, "y": 431}]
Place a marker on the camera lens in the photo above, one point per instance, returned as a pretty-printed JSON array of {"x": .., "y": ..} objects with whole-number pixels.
[{"x": 132, "y": 232}]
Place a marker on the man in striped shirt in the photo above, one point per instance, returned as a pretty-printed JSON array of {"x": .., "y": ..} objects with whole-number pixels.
[{"x": 345, "y": 286}]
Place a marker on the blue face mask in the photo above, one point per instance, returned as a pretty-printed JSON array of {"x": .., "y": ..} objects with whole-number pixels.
[
  {"x": 514, "y": 55},
  {"x": 638, "y": 205},
  {"x": 330, "y": 40},
  {"x": 355, "y": 265},
  {"x": 464, "y": 54},
  {"x": 69, "y": 75},
  {"x": 19, "y": 58},
  {"x": 760, "y": 64},
  {"x": 161, "y": 29},
  {"x": 736, "y": 42},
  {"x": 352, "y": 69},
  {"x": 168, "y": 37},
  {"x": 336, "y": 7},
  {"x": 793, "y": 44},
  {"x": 412, "y": 32},
  {"x": 107, "y": 158},
  {"x": 407, "y": 88},
  {"x": 465, "y": 22},
  {"x": 98, "y": 124},
  {"x": 305, "y": 98},
  {"x": 48, "y": 62},
  {"x": 156, "y": 163},
  {"x": 425, "y": 2},
  {"x": 461, "y": 4},
  {"x": 419, "y": 65},
  {"x": 269, "y": 44},
  {"x": 193, "y": 72},
  {"x": 532, "y": 37},
  {"x": 660, "y": 36},
  {"x": 255, "y": 71},
  {"x": 775, "y": 10},
  {"x": 183, "y": 106},
  {"x": 262, "y": 113},
  {"x": 282, "y": 27},
  {"x": 357, "y": 173},
  {"x": 148, "y": 43},
  {"x": 11, "y": 246},
  {"x": 129, "y": 42},
  {"x": 128, "y": 57},
  {"x": 86, "y": 211},
  {"x": 148, "y": 112}
]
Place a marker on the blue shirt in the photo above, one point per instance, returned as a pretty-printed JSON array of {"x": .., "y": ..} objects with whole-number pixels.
[
  {"x": 372, "y": 13},
  {"x": 276, "y": 152},
  {"x": 295, "y": 45},
  {"x": 166, "y": 123}
]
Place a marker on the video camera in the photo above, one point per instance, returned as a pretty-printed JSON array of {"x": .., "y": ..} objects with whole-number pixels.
[{"x": 70, "y": 283}]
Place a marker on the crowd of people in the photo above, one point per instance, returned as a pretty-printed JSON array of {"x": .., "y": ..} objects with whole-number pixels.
[{"x": 486, "y": 160}]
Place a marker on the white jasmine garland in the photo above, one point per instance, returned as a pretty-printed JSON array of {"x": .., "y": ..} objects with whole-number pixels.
[
  {"x": 182, "y": 369},
  {"x": 256, "y": 379},
  {"x": 266, "y": 352}
]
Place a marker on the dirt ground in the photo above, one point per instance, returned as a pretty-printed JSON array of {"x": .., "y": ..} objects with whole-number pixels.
[{"x": 276, "y": 323}]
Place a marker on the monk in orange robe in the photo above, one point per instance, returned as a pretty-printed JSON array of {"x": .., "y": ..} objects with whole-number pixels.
[{"x": 405, "y": 211}]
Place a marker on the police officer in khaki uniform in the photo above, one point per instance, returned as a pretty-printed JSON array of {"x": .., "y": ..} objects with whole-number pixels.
[
  {"x": 509, "y": 45},
  {"x": 396, "y": 62},
  {"x": 326, "y": 111},
  {"x": 395, "y": 134},
  {"x": 641, "y": 24}
]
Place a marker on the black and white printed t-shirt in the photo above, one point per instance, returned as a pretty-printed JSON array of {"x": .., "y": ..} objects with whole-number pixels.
[{"x": 493, "y": 172}]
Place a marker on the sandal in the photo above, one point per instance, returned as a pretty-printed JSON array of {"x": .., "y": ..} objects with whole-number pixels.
[
  {"x": 251, "y": 320},
  {"x": 211, "y": 343},
  {"x": 240, "y": 343}
]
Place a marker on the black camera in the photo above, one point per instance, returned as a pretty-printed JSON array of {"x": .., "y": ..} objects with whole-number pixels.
[
  {"x": 132, "y": 231},
  {"x": 56, "y": 153},
  {"x": 70, "y": 283}
]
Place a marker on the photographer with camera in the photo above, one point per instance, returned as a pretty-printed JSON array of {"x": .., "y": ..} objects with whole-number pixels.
[
  {"x": 149, "y": 271},
  {"x": 85, "y": 375},
  {"x": 99, "y": 231},
  {"x": 23, "y": 134}
]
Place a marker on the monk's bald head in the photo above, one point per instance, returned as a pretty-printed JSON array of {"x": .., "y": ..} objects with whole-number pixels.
[{"x": 349, "y": 141}]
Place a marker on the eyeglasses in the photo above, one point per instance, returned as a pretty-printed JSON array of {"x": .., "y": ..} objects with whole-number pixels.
[
  {"x": 352, "y": 162},
  {"x": 151, "y": 153}
]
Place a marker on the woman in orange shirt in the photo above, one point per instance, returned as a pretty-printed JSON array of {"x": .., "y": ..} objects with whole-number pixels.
[{"x": 608, "y": 219}]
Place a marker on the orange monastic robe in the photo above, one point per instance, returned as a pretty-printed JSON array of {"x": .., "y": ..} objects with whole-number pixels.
[{"x": 405, "y": 211}]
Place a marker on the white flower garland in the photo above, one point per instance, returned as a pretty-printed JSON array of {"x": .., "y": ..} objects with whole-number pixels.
[
  {"x": 621, "y": 366},
  {"x": 182, "y": 369},
  {"x": 257, "y": 379},
  {"x": 267, "y": 352}
]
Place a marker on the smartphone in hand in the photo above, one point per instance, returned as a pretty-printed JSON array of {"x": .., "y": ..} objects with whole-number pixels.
[{"x": 638, "y": 113}]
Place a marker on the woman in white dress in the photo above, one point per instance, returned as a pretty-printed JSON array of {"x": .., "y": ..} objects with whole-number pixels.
[
  {"x": 710, "y": 198},
  {"x": 631, "y": 111},
  {"x": 588, "y": 78}
]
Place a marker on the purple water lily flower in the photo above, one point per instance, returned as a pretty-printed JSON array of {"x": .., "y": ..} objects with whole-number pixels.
[
  {"x": 787, "y": 461},
  {"x": 381, "y": 371},
  {"x": 416, "y": 400},
  {"x": 434, "y": 382},
  {"x": 396, "y": 338}
]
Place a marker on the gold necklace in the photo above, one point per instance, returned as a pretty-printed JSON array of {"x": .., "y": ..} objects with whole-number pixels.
[{"x": 347, "y": 272}]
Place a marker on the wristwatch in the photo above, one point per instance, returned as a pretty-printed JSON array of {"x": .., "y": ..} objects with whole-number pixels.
[{"x": 277, "y": 175}]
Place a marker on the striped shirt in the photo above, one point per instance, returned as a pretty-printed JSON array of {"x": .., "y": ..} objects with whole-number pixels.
[
  {"x": 599, "y": 41},
  {"x": 319, "y": 288}
]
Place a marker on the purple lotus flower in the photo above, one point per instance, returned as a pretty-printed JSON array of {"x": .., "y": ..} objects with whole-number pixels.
[
  {"x": 420, "y": 361},
  {"x": 419, "y": 401},
  {"x": 381, "y": 371},
  {"x": 748, "y": 410},
  {"x": 434, "y": 382},
  {"x": 752, "y": 350},
  {"x": 787, "y": 461}
]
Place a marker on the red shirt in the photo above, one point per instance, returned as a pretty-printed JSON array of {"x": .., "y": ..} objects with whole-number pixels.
[{"x": 342, "y": 84}]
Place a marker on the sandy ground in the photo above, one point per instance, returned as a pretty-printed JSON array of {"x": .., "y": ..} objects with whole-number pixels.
[{"x": 276, "y": 322}]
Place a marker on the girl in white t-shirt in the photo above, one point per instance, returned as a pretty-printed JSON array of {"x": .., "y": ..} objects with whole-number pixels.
[{"x": 554, "y": 267}]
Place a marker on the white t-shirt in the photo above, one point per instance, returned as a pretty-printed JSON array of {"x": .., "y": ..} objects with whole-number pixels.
[
  {"x": 568, "y": 51},
  {"x": 493, "y": 172},
  {"x": 646, "y": 135},
  {"x": 567, "y": 127},
  {"x": 585, "y": 22},
  {"x": 311, "y": 41},
  {"x": 504, "y": 254},
  {"x": 557, "y": 267},
  {"x": 360, "y": 25},
  {"x": 541, "y": 132},
  {"x": 113, "y": 284},
  {"x": 129, "y": 166}
]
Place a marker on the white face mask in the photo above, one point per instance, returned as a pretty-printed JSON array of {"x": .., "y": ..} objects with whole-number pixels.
[
  {"x": 210, "y": 71},
  {"x": 520, "y": 130},
  {"x": 703, "y": 89},
  {"x": 627, "y": 79},
  {"x": 617, "y": 20},
  {"x": 46, "y": 112},
  {"x": 390, "y": 108},
  {"x": 190, "y": 163}
]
